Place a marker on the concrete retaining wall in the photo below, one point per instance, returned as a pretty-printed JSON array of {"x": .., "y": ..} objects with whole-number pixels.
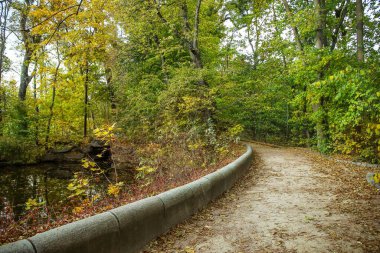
[{"x": 128, "y": 228}]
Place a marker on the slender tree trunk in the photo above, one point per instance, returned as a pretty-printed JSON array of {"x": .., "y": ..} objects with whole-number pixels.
[
  {"x": 162, "y": 57},
  {"x": 253, "y": 49},
  {"x": 3, "y": 24},
  {"x": 360, "y": 30},
  {"x": 256, "y": 53},
  {"x": 297, "y": 37},
  {"x": 37, "y": 110},
  {"x": 340, "y": 14},
  {"x": 51, "y": 107},
  {"x": 4, "y": 11},
  {"x": 93, "y": 120},
  {"x": 111, "y": 90},
  {"x": 197, "y": 56},
  {"x": 278, "y": 36},
  {"x": 85, "y": 116}
]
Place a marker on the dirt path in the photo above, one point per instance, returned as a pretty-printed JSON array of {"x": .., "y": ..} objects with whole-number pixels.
[{"x": 291, "y": 201}]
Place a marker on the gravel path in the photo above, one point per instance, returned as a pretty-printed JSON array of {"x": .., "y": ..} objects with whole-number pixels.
[{"x": 286, "y": 203}]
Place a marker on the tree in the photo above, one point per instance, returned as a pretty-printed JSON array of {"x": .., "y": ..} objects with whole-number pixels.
[
  {"x": 30, "y": 43},
  {"x": 184, "y": 72},
  {"x": 4, "y": 15},
  {"x": 360, "y": 30}
]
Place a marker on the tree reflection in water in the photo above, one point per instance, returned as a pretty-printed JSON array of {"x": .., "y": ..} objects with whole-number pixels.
[{"x": 47, "y": 182}]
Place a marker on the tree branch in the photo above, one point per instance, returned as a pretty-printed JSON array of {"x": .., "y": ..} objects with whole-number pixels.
[
  {"x": 63, "y": 20},
  {"x": 294, "y": 28},
  {"x": 53, "y": 15},
  {"x": 343, "y": 12},
  {"x": 196, "y": 24}
]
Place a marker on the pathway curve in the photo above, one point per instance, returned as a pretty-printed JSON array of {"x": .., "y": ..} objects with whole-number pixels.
[{"x": 284, "y": 204}]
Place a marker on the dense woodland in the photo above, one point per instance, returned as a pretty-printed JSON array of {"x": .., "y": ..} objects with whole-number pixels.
[
  {"x": 167, "y": 85},
  {"x": 190, "y": 73}
]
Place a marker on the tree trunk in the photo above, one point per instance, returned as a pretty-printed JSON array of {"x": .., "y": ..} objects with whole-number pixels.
[
  {"x": 85, "y": 116},
  {"x": 256, "y": 53},
  {"x": 37, "y": 110},
  {"x": 297, "y": 37},
  {"x": 320, "y": 39},
  {"x": 320, "y": 43},
  {"x": 27, "y": 40},
  {"x": 340, "y": 14},
  {"x": 197, "y": 56},
  {"x": 192, "y": 44},
  {"x": 253, "y": 49},
  {"x": 162, "y": 57},
  {"x": 51, "y": 108},
  {"x": 4, "y": 11},
  {"x": 5, "y": 6},
  {"x": 111, "y": 90},
  {"x": 360, "y": 30},
  {"x": 24, "y": 77},
  {"x": 278, "y": 36}
]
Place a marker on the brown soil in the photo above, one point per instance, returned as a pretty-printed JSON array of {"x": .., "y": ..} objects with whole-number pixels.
[{"x": 292, "y": 200}]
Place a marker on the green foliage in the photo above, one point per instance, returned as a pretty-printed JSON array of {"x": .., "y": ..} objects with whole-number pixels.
[
  {"x": 19, "y": 150},
  {"x": 171, "y": 74},
  {"x": 354, "y": 112},
  {"x": 183, "y": 83}
]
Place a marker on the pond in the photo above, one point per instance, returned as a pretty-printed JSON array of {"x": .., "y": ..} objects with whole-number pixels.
[{"x": 47, "y": 182}]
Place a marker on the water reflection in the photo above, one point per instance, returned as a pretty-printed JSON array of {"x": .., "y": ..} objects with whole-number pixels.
[{"x": 47, "y": 182}]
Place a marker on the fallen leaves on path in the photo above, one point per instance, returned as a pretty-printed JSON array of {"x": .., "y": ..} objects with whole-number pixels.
[{"x": 354, "y": 196}]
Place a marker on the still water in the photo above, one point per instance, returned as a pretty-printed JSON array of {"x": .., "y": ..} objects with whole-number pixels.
[{"x": 47, "y": 182}]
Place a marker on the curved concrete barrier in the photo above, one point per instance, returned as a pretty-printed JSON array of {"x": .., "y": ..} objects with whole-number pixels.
[{"x": 128, "y": 228}]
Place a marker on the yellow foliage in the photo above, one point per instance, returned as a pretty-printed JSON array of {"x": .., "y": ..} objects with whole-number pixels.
[
  {"x": 33, "y": 203},
  {"x": 87, "y": 164},
  {"x": 376, "y": 178},
  {"x": 114, "y": 189},
  {"x": 105, "y": 133},
  {"x": 95, "y": 197},
  {"x": 78, "y": 186},
  {"x": 190, "y": 103},
  {"x": 146, "y": 170},
  {"x": 235, "y": 130},
  {"x": 222, "y": 151},
  {"x": 77, "y": 210},
  {"x": 189, "y": 250}
]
